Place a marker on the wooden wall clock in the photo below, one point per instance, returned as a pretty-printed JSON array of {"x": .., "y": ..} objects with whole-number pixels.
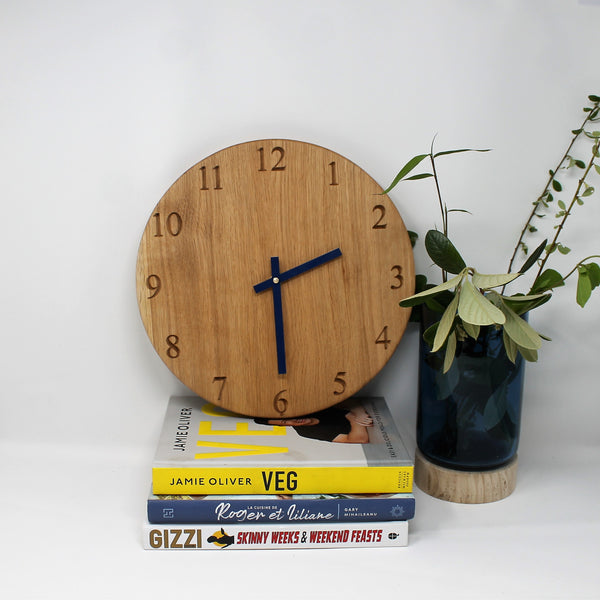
[{"x": 269, "y": 276}]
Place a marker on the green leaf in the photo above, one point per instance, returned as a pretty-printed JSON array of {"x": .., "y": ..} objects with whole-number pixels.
[
  {"x": 405, "y": 170},
  {"x": 443, "y": 253},
  {"x": 413, "y": 237},
  {"x": 594, "y": 98},
  {"x": 419, "y": 176},
  {"x": 548, "y": 280},
  {"x": 594, "y": 273},
  {"x": 589, "y": 191},
  {"x": 451, "y": 283},
  {"x": 476, "y": 309},
  {"x": 510, "y": 347},
  {"x": 556, "y": 185},
  {"x": 450, "y": 352},
  {"x": 519, "y": 330},
  {"x": 563, "y": 249},
  {"x": 533, "y": 257},
  {"x": 445, "y": 324},
  {"x": 486, "y": 282},
  {"x": 446, "y": 152},
  {"x": 597, "y": 169},
  {"x": 584, "y": 286},
  {"x": 471, "y": 330},
  {"x": 562, "y": 205}
]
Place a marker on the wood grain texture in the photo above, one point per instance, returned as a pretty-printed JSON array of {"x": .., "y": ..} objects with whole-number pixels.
[{"x": 203, "y": 250}]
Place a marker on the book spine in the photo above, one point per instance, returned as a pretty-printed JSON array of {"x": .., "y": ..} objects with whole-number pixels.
[
  {"x": 293, "y": 480},
  {"x": 297, "y": 510},
  {"x": 263, "y": 537}
]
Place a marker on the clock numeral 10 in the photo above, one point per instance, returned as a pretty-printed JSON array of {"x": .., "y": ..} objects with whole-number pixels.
[
  {"x": 173, "y": 350},
  {"x": 280, "y": 403},
  {"x": 204, "y": 179},
  {"x": 278, "y": 159},
  {"x": 172, "y": 224},
  {"x": 383, "y": 338}
]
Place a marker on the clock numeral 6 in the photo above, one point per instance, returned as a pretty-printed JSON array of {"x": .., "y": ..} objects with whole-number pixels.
[
  {"x": 173, "y": 350},
  {"x": 172, "y": 224},
  {"x": 397, "y": 270},
  {"x": 280, "y": 403},
  {"x": 153, "y": 283},
  {"x": 383, "y": 338},
  {"x": 279, "y": 155},
  {"x": 339, "y": 379}
]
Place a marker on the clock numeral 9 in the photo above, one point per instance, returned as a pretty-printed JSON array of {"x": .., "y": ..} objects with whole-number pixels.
[
  {"x": 279, "y": 152},
  {"x": 379, "y": 210},
  {"x": 280, "y": 403},
  {"x": 153, "y": 283},
  {"x": 339, "y": 379},
  {"x": 172, "y": 346},
  {"x": 172, "y": 224},
  {"x": 383, "y": 338},
  {"x": 397, "y": 269}
]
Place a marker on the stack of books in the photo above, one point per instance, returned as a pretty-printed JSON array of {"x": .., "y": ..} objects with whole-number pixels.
[{"x": 339, "y": 478}]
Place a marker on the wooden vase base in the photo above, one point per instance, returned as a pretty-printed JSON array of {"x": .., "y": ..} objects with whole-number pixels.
[{"x": 466, "y": 487}]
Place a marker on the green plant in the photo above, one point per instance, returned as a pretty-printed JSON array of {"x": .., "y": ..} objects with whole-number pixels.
[{"x": 470, "y": 300}]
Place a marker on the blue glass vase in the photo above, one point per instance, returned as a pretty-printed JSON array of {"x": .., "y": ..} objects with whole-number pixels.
[{"x": 469, "y": 418}]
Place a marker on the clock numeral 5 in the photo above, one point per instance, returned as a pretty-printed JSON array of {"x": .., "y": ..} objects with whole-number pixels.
[
  {"x": 279, "y": 155},
  {"x": 172, "y": 224},
  {"x": 173, "y": 350},
  {"x": 280, "y": 403},
  {"x": 339, "y": 379},
  {"x": 383, "y": 338}
]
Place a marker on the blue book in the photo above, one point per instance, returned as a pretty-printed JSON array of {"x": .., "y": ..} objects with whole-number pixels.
[{"x": 305, "y": 508}]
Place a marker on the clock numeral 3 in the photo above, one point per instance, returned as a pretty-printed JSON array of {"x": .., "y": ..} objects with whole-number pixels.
[
  {"x": 397, "y": 269},
  {"x": 379, "y": 210},
  {"x": 222, "y": 381},
  {"x": 383, "y": 338},
  {"x": 339, "y": 379},
  {"x": 204, "y": 178},
  {"x": 280, "y": 403},
  {"x": 172, "y": 224},
  {"x": 173, "y": 350},
  {"x": 279, "y": 153},
  {"x": 153, "y": 283}
]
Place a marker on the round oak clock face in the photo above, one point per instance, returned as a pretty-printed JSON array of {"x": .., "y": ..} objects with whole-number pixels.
[{"x": 269, "y": 277}]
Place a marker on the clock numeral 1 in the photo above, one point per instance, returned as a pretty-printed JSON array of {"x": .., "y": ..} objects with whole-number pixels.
[
  {"x": 397, "y": 269},
  {"x": 222, "y": 381},
  {"x": 339, "y": 379},
  {"x": 173, "y": 350},
  {"x": 278, "y": 158},
  {"x": 204, "y": 178},
  {"x": 383, "y": 338},
  {"x": 153, "y": 283},
  {"x": 334, "y": 177},
  {"x": 280, "y": 403},
  {"x": 379, "y": 209},
  {"x": 172, "y": 224}
]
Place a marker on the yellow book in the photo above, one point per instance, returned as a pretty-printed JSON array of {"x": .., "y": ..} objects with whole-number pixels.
[{"x": 353, "y": 447}]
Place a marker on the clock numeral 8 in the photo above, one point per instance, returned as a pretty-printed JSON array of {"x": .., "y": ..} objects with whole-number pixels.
[
  {"x": 173, "y": 349},
  {"x": 280, "y": 403}
]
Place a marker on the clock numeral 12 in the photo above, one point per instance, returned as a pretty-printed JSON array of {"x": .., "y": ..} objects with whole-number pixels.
[
  {"x": 279, "y": 151},
  {"x": 383, "y": 338}
]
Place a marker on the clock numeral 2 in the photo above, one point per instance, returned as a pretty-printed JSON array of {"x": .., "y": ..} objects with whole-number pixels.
[
  {"x": 279, "y": 155},
  {"x": 383, "y": 338},
  {"x": 379, "y": 209},
  {"x": 172, "y": 224},
  {"x": 173, "y": 350},
  {"x": 339, "y": 379},
  {"x": 204, "y": 178},
  {"x": 280, "y": 403}
]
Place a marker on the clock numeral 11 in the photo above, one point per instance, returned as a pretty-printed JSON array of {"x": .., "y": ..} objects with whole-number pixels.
[{"x": 204, "y": 179}]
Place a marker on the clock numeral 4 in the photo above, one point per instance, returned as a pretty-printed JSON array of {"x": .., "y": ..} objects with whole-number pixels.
[
  {"x": 204, "y": 179},
  {"x": 279, "y": 154},
  {"x": 383, "y": 338},
  {"x": 341, "y": 382},
  {"x": 280, "y": 403},
  {"x": 173, "y": 349},
  {"x": 171, "y": 225}
]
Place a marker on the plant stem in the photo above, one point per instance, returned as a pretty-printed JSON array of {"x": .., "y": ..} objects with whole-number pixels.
[
  {"x": 545, "y": 191},
  {"x": 568, "y": 211},
  {"x": 578, "y": 264}
]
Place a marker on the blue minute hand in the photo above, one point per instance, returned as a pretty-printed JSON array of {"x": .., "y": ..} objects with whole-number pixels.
[{"x": 274, "y": 283}]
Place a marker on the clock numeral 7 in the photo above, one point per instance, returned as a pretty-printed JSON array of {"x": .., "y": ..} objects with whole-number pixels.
[
  {"x": 222, "y": 381},
  {"x": 383, "y": 338},
  {"x": 279, "y": 155}
]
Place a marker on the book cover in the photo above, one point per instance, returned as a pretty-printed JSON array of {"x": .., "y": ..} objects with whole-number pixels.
[
  {"x": 275, "y": 536},
  {"x": 351, "y": 448},
  {"x": 303, "y": 508}
]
